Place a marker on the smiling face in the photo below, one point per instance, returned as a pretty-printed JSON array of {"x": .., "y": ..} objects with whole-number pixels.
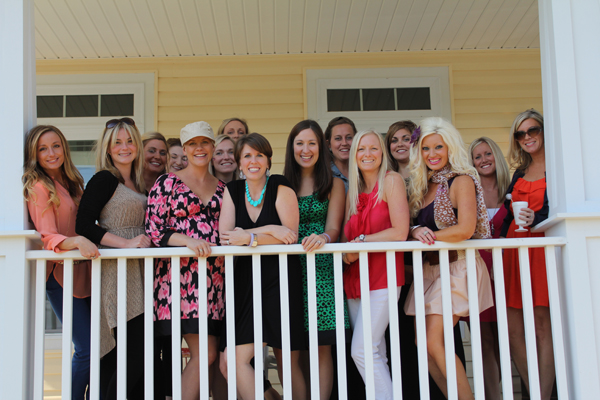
[
  {"x": 369, "y": 154},
  {"x": 199, "y": 151},
  {"x": 155, "y": 156},
  {"x": 531, "y": 144},
  {"x": 400, "y": 146},
  {"x": 434, "y": 152},
  {"x": 306, "y": 148},
  {"x": 341, "y": 141},
  {"x": 253, "y": 163},
  {"x": 234, "y": 129},
  {"x": 483, "y": 159},
  {"x": 177, "y": 161},
  {"x": 50, "y": 152},
  {"x": 223, "y": 159},
  {"x": 124, "y": 150}
]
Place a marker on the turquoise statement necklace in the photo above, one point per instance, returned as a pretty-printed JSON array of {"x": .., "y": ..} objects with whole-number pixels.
[{"x": 255, "y": 203}]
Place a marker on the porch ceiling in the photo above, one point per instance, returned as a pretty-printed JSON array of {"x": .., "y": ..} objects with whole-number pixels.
[{"x": 67, "y": 29}]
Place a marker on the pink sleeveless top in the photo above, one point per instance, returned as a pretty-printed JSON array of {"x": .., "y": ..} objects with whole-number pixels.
[{"x": 371, "y": 217}]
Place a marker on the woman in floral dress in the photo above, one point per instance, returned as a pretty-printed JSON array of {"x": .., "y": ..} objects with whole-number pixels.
[{"x": 183, "y": 210}]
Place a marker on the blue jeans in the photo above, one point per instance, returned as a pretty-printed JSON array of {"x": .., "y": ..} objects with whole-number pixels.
[{"x": 81, "y": 336}]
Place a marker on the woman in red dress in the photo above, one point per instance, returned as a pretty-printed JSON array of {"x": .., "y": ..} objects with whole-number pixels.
[
  {"x": 527, "y": 156},
  {"x": 488, "y": 160}
]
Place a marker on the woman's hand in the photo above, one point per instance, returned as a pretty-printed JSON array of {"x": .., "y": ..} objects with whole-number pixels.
[
  {"x": 236, "y": 237},
  {"x": 199, "y": 246},
  {"x": 424, "y": 235},
  {"x": 141, "y": 241},
  {"x": 349, "y": 258},
  {"x": 527, "y": 215},
  {"x": 313, "y": 242},
  {"x": 284, "y": 234},
  {"x": 86, "y": 247}
]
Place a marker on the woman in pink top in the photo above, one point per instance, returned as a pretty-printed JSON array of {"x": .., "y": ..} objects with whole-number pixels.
[
  {"x": 376, "y": 211},
  {"x": 52, "y": 189}
]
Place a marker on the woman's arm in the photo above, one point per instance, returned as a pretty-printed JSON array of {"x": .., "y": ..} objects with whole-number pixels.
[
  {"x": 44, "y": 219},
  {"x": 97, "y": 193},
  {"x": 335, "y": 217},
  {"x": 463, "y": 197},
  {"x": 395, "y": 196}
]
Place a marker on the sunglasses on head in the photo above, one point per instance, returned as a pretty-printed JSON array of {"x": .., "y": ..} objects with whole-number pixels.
[
  {"x": 532, "y": 132},
  {"x": 114, "y": 122}
]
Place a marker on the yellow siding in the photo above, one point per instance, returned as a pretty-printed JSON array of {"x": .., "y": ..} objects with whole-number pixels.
[{"x": 488, "y": 88}]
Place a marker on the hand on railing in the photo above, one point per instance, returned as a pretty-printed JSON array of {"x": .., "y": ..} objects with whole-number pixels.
[
  {"x": 86, "y": 247},
  {"x": 201, "y": 247},
  {"x": 313, "y": 242},
  {"x": 424, "y": 234}
]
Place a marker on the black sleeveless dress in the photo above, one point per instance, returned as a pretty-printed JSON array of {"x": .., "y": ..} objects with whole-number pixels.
[{"x": 271, "y": 304}]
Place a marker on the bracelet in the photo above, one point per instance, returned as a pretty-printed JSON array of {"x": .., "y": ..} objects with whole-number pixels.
[
  {"x": 412, "y": 228},
  {"x": 327, "y": 236},
  {"x": 251, "y": 239}
]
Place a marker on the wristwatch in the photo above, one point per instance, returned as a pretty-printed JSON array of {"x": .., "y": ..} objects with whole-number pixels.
[
  {"x": 254, "y": 241},
  {"x": 362, "y": 237}
]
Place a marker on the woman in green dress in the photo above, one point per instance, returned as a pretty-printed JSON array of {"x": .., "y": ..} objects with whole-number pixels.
[{"x": 321, "y": 199}]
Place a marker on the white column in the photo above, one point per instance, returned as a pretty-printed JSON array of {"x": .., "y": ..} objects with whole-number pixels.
[
  {"x": 570, "y": 56},
  {"x": 17, "y": 113}
]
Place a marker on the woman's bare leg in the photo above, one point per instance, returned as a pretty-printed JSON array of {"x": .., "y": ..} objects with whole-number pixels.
[
  {"x": 190, "y": 377},
  {"x": 299, "y": 391}
]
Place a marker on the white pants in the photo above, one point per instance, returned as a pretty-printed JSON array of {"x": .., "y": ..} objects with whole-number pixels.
[{"x": 380, "y": 319}]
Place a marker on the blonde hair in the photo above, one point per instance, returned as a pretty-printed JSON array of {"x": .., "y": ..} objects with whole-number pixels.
[
  {"x": 104, "y": 160},
  {"x": 34, "y": 173},
  {"x": 356, "y": 182},
  {"x": 502, "y": 170},
  {"x": 148, "y": 136},
  {"x": 458, "y": 159},
  {"x": 519, "y": 158}
]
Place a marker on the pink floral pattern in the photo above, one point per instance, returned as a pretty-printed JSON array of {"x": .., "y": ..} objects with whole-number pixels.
[{"x": 174, "y": 208}]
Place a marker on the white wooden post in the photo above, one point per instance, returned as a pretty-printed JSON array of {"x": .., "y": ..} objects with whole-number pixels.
[
  {"x": 570, "y": 55},
  {"x": 17, "y": 113}
]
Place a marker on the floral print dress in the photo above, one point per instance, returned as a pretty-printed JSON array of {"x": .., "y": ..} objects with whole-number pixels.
[{"x": 174, "y": 208}]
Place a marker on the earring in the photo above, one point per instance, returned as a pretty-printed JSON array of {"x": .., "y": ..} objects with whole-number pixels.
[
  {"x": 242, "y": 176},
  {"x": 268, "y": 172}
]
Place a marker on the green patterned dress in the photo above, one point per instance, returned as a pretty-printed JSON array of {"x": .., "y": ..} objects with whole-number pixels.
[{"x": 313, "y": 216}]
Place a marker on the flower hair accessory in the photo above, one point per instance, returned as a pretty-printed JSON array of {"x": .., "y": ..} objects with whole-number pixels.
[{"x": 414, "y": 138}]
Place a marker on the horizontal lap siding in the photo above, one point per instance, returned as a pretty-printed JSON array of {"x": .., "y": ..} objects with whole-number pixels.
[{"x": 488, "y": 88}]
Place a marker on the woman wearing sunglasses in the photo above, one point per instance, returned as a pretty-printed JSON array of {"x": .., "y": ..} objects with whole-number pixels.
[
  {"x": 527, "y": 156},
  {"x": 111, "y": 215}
]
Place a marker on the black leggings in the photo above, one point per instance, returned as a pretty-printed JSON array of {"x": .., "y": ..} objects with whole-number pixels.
[{"x": 135, "y": 364}]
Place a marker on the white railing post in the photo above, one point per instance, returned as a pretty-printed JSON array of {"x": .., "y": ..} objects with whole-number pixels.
[
  {"x": 17, "y": 113},
  {"x": 230, "y": 321},
  {"x": 448, "y": 326},
  {"x": 340, "y": 325},
  {"x": 95, "y": 331},
  {"x": 394, "y": 324},
  {"x": 285, "y": 326},
  {"x": 570, "y": 54},
  {"x": 67, "y": 327},
  {"x": 149, "y": 328}
]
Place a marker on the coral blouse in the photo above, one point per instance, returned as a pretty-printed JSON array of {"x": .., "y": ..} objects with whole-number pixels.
[
  {"x": 56, "y": 225},
  {"x": 371, "y": 217}
]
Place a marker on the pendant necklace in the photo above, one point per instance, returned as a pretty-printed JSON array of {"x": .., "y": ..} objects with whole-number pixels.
[{"x": 255, "y": 203}]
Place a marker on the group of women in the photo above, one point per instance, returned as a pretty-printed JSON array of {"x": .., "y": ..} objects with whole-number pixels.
[{"x": 204, "y": 190}]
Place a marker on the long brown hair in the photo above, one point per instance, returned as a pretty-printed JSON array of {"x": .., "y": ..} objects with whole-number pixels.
[
  {"x": 33, "y": 172},
  {"x": 322, "y": 172}
]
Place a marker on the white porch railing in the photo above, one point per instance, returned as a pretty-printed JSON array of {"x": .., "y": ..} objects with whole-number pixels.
[{"x": 551, "y": 245}]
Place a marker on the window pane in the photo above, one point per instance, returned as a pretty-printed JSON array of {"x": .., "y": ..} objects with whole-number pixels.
[
  {"x": 343, "y": 100},
  {"x": 414, "y": 98},
  {"x": 378, "y": 99},
  {"x": 49, "y": 106},
  {"x": 82, "y": 106},
  {"x": 116, "y": 105}
]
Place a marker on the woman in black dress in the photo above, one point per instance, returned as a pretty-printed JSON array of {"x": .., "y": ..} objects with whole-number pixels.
[{"x": 262, "y": 209}]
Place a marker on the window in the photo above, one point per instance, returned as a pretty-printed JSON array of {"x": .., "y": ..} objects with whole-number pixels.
[
  {"x": 97, "y": 105},
  {"x": 377, "y": 97}
]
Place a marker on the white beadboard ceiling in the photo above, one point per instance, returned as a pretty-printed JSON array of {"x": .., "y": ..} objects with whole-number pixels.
[{"x": 66, "y": 29}]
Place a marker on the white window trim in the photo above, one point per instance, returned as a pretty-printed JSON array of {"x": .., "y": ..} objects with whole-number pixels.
[
  {"x": 89, "y": 128},
  {"x": 435, "y": 78}
]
